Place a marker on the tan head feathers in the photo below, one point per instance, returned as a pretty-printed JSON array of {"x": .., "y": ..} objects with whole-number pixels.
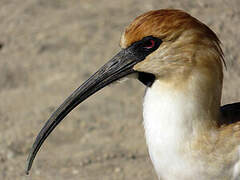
[{"x": 166, "y": 24}]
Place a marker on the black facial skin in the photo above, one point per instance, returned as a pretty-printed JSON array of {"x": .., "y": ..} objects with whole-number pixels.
[
  {"x": 140, "y": 49},
  {"x": 119, "y": 66}
]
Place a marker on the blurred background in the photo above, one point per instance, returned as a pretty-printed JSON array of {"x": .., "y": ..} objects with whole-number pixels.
[{"x": 48, "y": 48}]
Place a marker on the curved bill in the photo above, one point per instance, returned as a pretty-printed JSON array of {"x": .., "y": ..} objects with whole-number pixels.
[{"x": 118, "y": 67}]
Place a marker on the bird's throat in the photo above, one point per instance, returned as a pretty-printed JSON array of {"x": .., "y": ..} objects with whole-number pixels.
[{"x": 146, "y": 78}]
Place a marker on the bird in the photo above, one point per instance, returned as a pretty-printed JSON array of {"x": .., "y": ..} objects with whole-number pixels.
[{"x": 179, "y": 60}]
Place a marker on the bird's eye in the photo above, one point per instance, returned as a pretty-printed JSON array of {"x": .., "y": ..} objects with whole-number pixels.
[
  {"x": 145, "y": 46},
  {"x": 149, "y": 44}
]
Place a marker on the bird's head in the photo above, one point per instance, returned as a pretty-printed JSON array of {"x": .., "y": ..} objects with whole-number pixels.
[
  {"x": 174, "y": 44},
  {"x": 161, "y": 44}
]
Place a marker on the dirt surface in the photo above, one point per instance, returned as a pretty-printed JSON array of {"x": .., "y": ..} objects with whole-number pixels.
[{"x": 48, "y": 48}]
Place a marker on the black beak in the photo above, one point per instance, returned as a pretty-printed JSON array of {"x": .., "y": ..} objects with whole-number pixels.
[{"x": 118, "y": 67}]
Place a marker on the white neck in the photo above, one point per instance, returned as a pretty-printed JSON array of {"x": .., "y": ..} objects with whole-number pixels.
[{"x": 172, "y": 117}]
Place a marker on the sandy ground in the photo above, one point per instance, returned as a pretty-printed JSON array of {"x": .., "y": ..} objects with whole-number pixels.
[{"x": 48, "y": 48}]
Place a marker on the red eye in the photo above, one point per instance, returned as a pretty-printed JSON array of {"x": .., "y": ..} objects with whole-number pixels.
[{"x": 150, "y": 44}]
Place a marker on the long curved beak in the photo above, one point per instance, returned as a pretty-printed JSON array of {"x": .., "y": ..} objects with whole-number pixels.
[{"x": 118, "y": 67}]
